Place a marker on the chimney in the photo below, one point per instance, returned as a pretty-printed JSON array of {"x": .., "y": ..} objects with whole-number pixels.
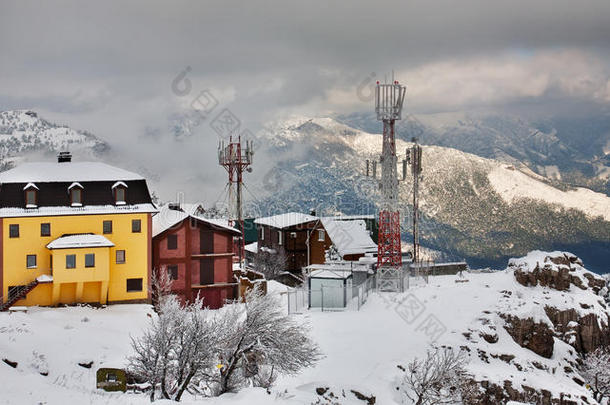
[
  {"x": 174, "y": 206},
  {"x": 64, "y": 157}
]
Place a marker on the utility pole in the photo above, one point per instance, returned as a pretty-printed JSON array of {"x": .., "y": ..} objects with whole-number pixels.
[{"x": 416, "y": 168}]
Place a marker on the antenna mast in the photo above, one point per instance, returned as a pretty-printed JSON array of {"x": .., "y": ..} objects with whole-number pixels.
[
  {"x": 388, "y": 106},
  {"x": 235, "y": 160},
  {"x": 415, "y": 159}
]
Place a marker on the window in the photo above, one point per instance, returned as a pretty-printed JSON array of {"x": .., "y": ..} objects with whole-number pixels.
[
  {"x": 136, "y": 226},
  {"x": 110, "y": 377},
  {"x": 107, "y": 225},
  {"x": 262, "y": 233},
  {"x": 279, "y": 237},
  {"x": 90, "y": 260},
  {"x": 120, "y": 256},
  {"x": 30, "y": 198},
  {"x": 13, "y": 230},
  {"x": 76, "y": 196},
  {"x": 293, "y": 235},
  {"x": 206, "y": 271},
  {"x": 172, "y": 272},
  {"x": 45, "y": 229},
  {"x": 119, "y": 189},
  {"x": 134, "y": 284},
  {"x": 119, "y": 195},
  {"x": 70, "y": 261},
  {"x": 31, "y": 261},
  {"x": 321, "y": 235},
  {"x": 172, "y": 242}
]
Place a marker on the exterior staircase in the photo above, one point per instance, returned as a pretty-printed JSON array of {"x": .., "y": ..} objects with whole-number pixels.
[{"x": 18, "y": 294}]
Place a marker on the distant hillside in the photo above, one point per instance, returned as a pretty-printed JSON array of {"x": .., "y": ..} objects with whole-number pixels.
[
  {"x": 475, "y": 208},
  {"x": 23, "y": 132},
  {"x": 570, "y": 151}
]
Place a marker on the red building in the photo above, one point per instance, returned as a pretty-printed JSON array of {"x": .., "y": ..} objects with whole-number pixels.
[{"x": 197, "y": 253}]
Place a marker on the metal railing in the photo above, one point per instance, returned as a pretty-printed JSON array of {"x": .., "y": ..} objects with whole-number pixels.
[{"x": 329, "y": 298}]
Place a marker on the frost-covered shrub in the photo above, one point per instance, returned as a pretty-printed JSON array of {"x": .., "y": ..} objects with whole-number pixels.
[
  {"x": 211, "y": 352},
  {"x": 439, "y": 378},
  {"x": 595, "y": 370},
  {"x": 258, "y": 342}
]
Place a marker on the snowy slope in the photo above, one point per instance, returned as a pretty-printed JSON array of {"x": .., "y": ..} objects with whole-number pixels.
[
  {"x": 572, "y": 150},
  {"x": 362, "y": 348},
  {"x": 23, "y": 131},
  {"x": 512, "y": 184}
]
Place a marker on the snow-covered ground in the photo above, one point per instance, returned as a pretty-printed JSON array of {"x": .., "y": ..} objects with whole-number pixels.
[{"x": 362, "y": 348}]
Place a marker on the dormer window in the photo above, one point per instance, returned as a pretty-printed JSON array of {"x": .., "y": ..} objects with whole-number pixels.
[
  {"x": 31, "y": 195},
  {"x": 76, "y": 194},
  {"x": 119, "y": 189}
]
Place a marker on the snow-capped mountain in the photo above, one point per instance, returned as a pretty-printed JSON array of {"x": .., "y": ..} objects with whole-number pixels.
[
  {"x": 472, "y": 207},
  {"x": 23, "y": 132},
  {"x": 570, "y": 151}
]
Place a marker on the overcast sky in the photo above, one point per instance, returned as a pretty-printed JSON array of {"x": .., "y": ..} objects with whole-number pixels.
[{"x": 108, "y": 67}]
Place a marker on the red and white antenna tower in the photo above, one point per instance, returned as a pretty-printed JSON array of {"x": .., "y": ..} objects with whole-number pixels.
[
  {"x": 235, "y": 160},
  {"x": 388, "y": 106}
]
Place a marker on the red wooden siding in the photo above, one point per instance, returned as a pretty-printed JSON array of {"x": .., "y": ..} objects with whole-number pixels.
[{"x": 197, "y": 243}]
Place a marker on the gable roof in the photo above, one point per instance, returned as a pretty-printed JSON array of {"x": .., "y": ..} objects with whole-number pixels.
[
  {"x": 349, "y": 237},
  {"x": 286, "y": 220},
  {"x": 80, "y": 241},
  {"x": 50, "y": 172},
  {"x": 167, "y": 218}
]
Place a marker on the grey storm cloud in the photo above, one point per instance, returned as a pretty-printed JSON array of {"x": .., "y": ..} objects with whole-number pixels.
[{"x": 108, "y": 67}]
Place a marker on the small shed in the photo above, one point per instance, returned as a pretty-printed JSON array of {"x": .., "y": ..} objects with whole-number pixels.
[{"x": 329, "y": 287}]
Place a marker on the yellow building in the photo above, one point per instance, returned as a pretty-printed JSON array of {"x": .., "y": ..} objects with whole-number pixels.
[{"x": 74, "y": 232}]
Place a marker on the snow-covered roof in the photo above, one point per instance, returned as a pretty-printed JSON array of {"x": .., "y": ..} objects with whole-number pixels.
[
  {"x": 119, "y": 184},
  {"x": 338, "y": 266},
  {"x": 167, "y": 218},
  {"x": 12, "y": 212},
  {"x": 47, "y": 172},
  {"x": 80, "y": 241},
  {"x": 286, "y": 220},
  {"x": 252, "y": 247},
  {"x": 349, "y": 217},
  {"x": 349, "y": 237},
  {"x": 336, "y": 274}
]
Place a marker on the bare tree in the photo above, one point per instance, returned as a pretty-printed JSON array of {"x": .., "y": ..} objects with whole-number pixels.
[
  {"x": 596, "y": 372},
  {"x": 260, "y": 340},
  {"x": 161, "y": 286},
  {"x": 271, "y": 265},
  {"x": 440, "y": 378},
  {"x": 176, "y": 352},
  {"x": 187, "y": 347}
]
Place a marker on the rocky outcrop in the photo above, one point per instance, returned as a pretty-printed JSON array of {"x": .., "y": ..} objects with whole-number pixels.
[
  {"x": 556, "y": 270},
  {"x": 535, "y": 336},
  {"x": 494, "y": 394},
  {"x": 581, "y": 332},
  {"x": 556, "y": 300}
]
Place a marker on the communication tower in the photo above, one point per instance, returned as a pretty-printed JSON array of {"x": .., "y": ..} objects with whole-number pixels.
[
  {"x": 388, "y": 106},
  {"x": 235, "y": 160}
]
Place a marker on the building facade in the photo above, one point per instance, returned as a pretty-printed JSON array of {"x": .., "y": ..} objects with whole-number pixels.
[
  {"x": 197, "y": 254},
  {"x": 300, "y": 238},
  {"x": 74, "y": 232}
]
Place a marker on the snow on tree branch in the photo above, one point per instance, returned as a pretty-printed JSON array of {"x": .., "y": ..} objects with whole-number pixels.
[{"x": 596, "y": 372}]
